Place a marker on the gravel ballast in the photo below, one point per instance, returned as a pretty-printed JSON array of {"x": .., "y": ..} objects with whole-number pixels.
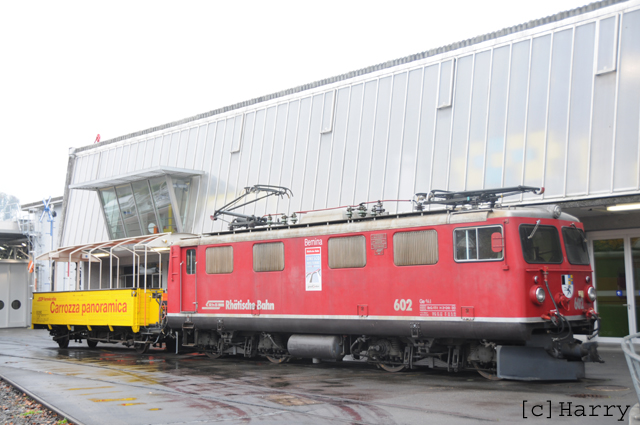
[{"x": 17, "y": 408}]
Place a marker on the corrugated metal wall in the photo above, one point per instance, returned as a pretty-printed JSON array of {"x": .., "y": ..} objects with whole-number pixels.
[{"x": 555, "y": 106}]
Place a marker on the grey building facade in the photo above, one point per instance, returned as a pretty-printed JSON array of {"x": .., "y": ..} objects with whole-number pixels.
[{"x": 552, "y": 103}]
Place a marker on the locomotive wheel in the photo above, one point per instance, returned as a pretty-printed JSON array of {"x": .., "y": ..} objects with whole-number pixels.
[
  {"x": 490, "y": 374},
  {"x": 63, "y": 342},
  {"x": 213, "y": 355},
  {"x": 141, "y": 347},
  {"x": 278, "y": 359},
  {"x": 392, "y": 368},
  {"x": 92, "y": 344}
]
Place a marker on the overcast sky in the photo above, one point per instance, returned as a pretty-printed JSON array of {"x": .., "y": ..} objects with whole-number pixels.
[{"x": 71, "y": 70}]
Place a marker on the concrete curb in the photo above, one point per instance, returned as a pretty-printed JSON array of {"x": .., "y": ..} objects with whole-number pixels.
[{"x": 41, "y": 401}]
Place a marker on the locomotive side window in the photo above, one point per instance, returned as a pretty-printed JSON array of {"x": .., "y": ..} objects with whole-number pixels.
[
  {"x": 415, "y": 248},
  {"x": 347, "y": 252},
  {"x": 191, "y": 261},
  {"x": 268, "y": 257},
  {"x": 475, "y": 244},
  {"x": 576, "y": 246},
  {"x": 219, "y": 260},
  {"x": 540, "y": 244}
]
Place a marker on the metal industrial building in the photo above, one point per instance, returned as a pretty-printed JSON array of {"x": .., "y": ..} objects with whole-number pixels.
[{"x": 553, "y": 103}]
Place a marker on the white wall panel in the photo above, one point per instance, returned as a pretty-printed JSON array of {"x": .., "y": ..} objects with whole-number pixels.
[
  {"x": 365, "y": 143},
  {"x": 460, "y": 127},
  {"x": 276, "y": 156},
  {"x": 410, "y": 138},
  {"x": 478, "y": 120},
  {"x": 394, "y": 140},
  {"x": 602, "y": 133},
  {"x": 427, "y": 128},
  {"x": 516, "y": 113},
  {"x": 440, "y": 155},
  {"x": 498, "y": 104},
  {"x": 555, "y": 105},
  {"x": 264, "y": 168},
  {"x": 535, "y": 135},
  {"x": 289, "y": 153},
  {"x": 226, "y": 191},
  {"x": 380, "y": 139},
  {"x": 332, "y": 153},
  {"x": 302, "y": 137},
  {"x": 559, "y": 90},
  {"x": 246, "y": 153},
  {"x": 202, "y": 213},
  {"x": 313, "y": 150},
  {"x": 628, "y": 106},
  {"x": 580, "y": 113},
  {"x": 342, "y": 185}
]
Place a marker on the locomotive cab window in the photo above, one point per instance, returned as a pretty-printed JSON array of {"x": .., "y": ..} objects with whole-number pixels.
[
  {"x": 268, "y": 257},
  {"x": 219, "y": 260},
  {"x": 191, "y": 261},
  {"x": 540, "y": 244},
  {"x": 415, "y": 248},
  {"x": 576, "y": 245},
  {"x": 478, "y": 243},
  {"x": 347, "y": 252}
]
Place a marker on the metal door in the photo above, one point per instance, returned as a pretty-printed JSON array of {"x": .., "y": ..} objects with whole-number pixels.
[
  {"x": 14, "y": 294},
  {"x": 5, "y": 299},
  {"x": 188, "y": 281}
]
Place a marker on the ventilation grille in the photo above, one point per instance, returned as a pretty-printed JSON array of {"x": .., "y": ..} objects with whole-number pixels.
[
  {"x": 415, "y": 248},
  {"x": 220, "y": 260},
  {"x": 268, "y": 257},
  {"x": 347, "y": 252}
]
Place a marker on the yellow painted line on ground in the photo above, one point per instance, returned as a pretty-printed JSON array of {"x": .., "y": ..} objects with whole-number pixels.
[
  {"x": 102, "y": 400},
  {"x": 105, "y": 392},
  {"x": 130, "y": 404},
  {"x": 155, "y": 408}
]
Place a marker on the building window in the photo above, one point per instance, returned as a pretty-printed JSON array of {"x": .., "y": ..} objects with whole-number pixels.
[
  {"x": 112, "y": 213},
  {"x": 162, "y": 200},
  {"x": 145, "y": 207},
  {"x": 219, "y": 260},
  {"x": 415, "y": 248},
  {"x": 268, "y": 257},
  {"x": 128, "y": 210},
  {"x": 478, "y": 243},
  {"x": 347, "y": 252}
]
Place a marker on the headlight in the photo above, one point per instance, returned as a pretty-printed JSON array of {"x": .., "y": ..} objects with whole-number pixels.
[
  {"x": 537, "y": 295},
  {"x": 591, "y": 293},
  {"x": 540, "y": 295}
]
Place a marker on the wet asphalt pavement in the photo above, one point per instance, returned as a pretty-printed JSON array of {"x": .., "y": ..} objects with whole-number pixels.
[{"x": 112, "y": 384}]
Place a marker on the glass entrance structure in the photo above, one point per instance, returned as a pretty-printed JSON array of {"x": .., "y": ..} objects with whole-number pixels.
[
  {"x": 616, "y": 264},
  {"x": 148, "y": 202}
]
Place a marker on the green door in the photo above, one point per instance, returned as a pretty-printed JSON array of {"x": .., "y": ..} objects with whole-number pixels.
[{"x": 611, "y": 286}]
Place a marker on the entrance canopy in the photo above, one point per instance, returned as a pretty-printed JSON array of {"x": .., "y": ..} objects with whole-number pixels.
[{"x": 92, "y": 251}]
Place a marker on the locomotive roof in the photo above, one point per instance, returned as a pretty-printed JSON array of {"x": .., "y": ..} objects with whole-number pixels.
[{"x": 396, "y": 221}]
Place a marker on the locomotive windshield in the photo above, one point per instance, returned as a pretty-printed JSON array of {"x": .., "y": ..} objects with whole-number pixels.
[
  {"x": 576, "y": 246},
  {"x": 540, "y": 244}
]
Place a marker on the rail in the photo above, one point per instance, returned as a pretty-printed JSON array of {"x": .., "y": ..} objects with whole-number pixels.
[{"x": 633, "y": 361}]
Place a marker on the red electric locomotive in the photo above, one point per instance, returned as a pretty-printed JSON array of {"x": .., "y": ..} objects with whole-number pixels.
[{"x": 473, "y": 285}]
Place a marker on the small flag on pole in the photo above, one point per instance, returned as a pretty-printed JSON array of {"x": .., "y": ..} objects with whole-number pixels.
[{"x": 97, "y": 139}]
